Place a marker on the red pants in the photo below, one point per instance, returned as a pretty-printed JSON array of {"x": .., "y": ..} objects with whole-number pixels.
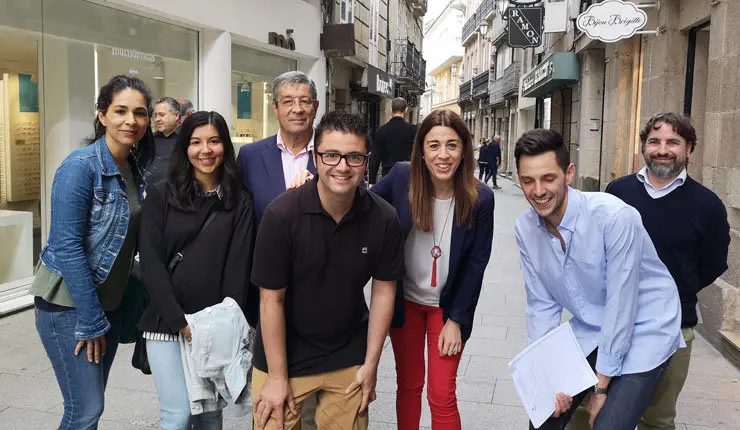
[{"x": 408, "y": 348}]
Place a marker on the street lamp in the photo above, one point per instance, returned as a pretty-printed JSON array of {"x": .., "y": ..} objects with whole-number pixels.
[{"x": 483, "y": 28}]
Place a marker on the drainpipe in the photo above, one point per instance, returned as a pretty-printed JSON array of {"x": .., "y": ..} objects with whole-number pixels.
[{"x": 603, "y": 103}]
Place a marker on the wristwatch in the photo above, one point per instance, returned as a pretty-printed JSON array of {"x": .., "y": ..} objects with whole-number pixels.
[{"x": 598, "y": 390}]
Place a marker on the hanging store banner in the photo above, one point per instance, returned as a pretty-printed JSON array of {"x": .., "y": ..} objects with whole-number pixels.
[
  {"x": 525, "y": 26},
  {"x": 611, "y": 20}
]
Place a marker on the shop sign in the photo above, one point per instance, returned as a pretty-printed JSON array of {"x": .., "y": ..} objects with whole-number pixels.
[
  {"x": 525, "y": 26},
  {"x": 556, "y": 71},
  {"x": 611, "y": 20},
  {"x": 379, "y": 82},
  {"x": 285, "y": 42},
  {"x": 136, "y": 55}
]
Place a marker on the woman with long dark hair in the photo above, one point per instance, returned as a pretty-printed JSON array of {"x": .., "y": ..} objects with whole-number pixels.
[
  {"x": 85, "y": 266},
  {"x": 201, "y": 215},
  {"x": 447, "y": 218}
]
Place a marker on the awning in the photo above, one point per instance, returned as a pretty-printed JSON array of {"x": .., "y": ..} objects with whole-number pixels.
[{"x": 558, "y": 70}]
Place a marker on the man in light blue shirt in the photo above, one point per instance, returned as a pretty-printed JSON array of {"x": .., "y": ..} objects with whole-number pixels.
[{"x": 590, "y": 254}]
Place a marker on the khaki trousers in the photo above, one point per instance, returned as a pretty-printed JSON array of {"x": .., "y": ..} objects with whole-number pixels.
[
  {"x": 661, "y": 413},
  {"x": 334, "y": 408}
]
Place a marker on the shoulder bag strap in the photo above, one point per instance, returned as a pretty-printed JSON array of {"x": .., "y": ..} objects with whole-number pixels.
[{"x": 178, "y": 256}]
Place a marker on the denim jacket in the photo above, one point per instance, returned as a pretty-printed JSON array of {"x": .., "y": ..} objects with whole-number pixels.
[{"x": 89, "y": 221}]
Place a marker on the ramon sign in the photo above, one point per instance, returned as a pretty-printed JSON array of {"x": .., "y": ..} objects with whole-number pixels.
[{"x": 611, "y": 20}]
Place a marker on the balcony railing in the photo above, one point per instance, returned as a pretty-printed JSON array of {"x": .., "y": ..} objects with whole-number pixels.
[
  {"x": 409, "y": 66},
  {"x": 485, "y": 11},
  {"x": 506, "y": 86},
  {"x": 465, "y": 94},
  {"x": 480, "y": 84}
]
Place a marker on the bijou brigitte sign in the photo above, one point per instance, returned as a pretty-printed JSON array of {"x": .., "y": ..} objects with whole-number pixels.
[{"x": 611, "y": 20}]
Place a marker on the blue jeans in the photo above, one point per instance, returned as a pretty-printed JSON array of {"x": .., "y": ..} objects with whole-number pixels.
[
  {"x": 82, "y": 383},
  {"x": 169, "y": 379},
  {"x": 626, "y": 401}
]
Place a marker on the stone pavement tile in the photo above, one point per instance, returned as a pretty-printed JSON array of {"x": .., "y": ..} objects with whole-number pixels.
[
  {"x": 134, "y": 407},
  {"x": 115, "y": 425},
  {"x": 483, "y": 332},
  {"x": 707, "y": 365},
  {"x": 123, "y": 375},
  {"x": 28, "y": 360},
  {"x": 16, "y": 336},
  {"x": 463, "y": 366},
  {"x": 22, "y": 419},
  {"x": 516, "y": 333},
  {"x": 486, "y": 369},
  {"x": 693, "y": 427},
  {"x": 27, "y": 392},
  {"x": 494, "y": 347},
  {"x": 385, "y": 384},
  {"x": 505, "y": 393},
  {"x": 503, "y": 321},
  {"x": 716, "y": 414},
  {"x": 25, "y": 319},
  {"x": 476, "y": 416},
  {"x": 383, "y": 409},
  {"x": 712, "y": 388},
  {"x": 478, "y": 392}
]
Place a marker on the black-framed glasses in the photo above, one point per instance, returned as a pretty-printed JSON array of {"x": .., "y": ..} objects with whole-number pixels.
[{"x": 334, "y": 158}]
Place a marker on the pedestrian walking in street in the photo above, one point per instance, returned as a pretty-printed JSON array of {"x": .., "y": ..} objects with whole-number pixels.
[
  {"x": 316, "y": 249},
  {"x": 393, "y": 141},
  {"x": 687, "y": 222},
  {"x": 445, "y": 211},
  {"x": 282, "y": 162},
  {"x": 590, "y": 254},
  {"x": 483, "y": 160},
  {"x": 196, "y": 250},
  {"x": 186, "y": 109},
  {"x": 494, "y": 161},
  {"x": 85, "y": 266},
  {"x": 167, "y": 125}
]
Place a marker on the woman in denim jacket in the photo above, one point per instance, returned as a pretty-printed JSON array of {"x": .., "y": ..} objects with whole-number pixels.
[
  {"x": 95, "y": 202},
  {"x": 214, "y": 262}
]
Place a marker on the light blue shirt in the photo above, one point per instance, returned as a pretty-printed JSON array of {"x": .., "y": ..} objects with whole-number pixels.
[
  {"x": 656, "y": 193},
  {"x": 622, "y": 297}
]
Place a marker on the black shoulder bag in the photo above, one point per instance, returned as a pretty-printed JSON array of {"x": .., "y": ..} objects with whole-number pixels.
[{"x": 140, "y": 360}]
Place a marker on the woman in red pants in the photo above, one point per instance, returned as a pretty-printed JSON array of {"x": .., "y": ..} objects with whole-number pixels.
[{"x": 447, "y": 219}]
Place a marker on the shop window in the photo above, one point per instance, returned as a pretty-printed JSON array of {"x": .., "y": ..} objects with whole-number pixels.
[
  {"x": 252, "y": 94},
  {"x": 346, "y": 11}
]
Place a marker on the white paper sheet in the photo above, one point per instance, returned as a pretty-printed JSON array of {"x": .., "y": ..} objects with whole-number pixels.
[{"x": 553, "y": 364}]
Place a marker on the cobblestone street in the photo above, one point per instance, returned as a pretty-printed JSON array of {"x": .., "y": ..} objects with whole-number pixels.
[{"x": 30, "y": 398}]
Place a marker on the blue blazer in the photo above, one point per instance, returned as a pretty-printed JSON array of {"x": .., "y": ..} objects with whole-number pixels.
[
  {"x": 262, "y": 173},
  {"x": 471, "y": 250}
]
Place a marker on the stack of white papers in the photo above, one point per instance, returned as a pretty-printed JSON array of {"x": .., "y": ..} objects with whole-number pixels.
[{"x": 553, "y": 364}]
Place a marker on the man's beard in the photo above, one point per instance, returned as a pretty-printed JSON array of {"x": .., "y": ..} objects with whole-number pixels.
[{"x": 665, "y": 171}]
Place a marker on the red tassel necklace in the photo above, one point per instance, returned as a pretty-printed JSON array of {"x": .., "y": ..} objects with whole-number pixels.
[{"x": 436, "y": 250}]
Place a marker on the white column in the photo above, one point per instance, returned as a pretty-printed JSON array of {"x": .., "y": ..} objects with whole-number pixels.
[{"x": 216, "y": 73}]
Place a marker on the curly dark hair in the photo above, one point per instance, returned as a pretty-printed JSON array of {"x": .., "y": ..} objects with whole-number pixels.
[
  {"x": 144, "y": 152},
  {"x": 344, "y": 122},
  {"x": 182, "y": 186},
  {"x": 681, "y": 124}
]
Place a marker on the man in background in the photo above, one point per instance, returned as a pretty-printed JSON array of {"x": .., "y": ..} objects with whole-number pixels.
[
  {"x": 494, "y": 160},
  {"x": 167, "y": 126},
  {"x": 393, "y": 141},
  {"x": 186, "y": 109}
]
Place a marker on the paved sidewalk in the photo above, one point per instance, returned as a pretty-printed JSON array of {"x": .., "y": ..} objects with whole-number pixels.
[{"x": 30, "y": 398}]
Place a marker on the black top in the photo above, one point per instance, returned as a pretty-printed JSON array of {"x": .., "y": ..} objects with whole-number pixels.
[
  {"x": 324, "y": 267},
  {"x": 164, "y": 146},
  {"x": 689, "y": 230},
  {"x": 216, "y": 265},
  {"x": 393, "y": 143},
  {"x": 494, "y": 151}
]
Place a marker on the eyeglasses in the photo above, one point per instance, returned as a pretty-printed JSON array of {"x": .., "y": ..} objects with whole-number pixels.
[
  {"x": 305, "y": 103},
  {"x": 334, "y": 158}
]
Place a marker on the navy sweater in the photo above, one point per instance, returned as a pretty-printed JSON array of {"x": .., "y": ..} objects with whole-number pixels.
[{"x": 690, "y": 231}]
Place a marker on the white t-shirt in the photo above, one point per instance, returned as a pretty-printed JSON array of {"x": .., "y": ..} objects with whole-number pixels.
[{"x": 418, "y": 253}]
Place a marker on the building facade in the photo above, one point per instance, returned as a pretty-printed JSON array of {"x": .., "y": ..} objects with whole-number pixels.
[
  {"x": 374, "y": 54},
  {"x": 474, "y": 98},
  {"x": 598, "y": 95},
  {"x": 443, "y": 53},
  {"x": 56, "y": 54}
]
